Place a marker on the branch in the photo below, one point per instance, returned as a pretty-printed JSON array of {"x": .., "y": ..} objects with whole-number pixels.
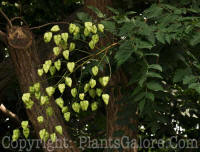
[
  {"x": 6, "y": 17},
  {"x": 9, "y": 114}
]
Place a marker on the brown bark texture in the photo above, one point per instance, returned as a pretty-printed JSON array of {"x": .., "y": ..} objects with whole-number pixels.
[{"x": 25, "y": 59}]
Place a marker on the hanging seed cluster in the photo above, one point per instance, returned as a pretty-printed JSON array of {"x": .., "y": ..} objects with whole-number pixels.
[{"x": 85, "y": 96}]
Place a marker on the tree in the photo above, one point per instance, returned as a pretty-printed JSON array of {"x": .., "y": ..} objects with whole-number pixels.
[{"x": 148, "y": 55}]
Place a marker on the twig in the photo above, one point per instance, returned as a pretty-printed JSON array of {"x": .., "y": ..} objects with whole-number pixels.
[
  {"x": 9, "y": 113},
  {"x": 41, "y": 26},
  {"x": 6, "y": 17}
]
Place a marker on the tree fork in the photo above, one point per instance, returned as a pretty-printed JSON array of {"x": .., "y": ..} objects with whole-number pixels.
[{"x": 24, "y": 56}]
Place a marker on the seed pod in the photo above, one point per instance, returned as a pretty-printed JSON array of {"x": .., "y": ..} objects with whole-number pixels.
[
  {"x": 66, "y": 54},
  {"x": 86, "y": 32},
  {"x": 61, "y": 87},
  {"x": 26, "y": 132},
  {"x": 81, "y": 96},
  {"x": 16, "y": 134},
  {"x": 86, "y": 87},
  {"x": 52, "y": 70},
  {"x": 40, "y": 119},
  {"x": 37, "y": 95},
  {"x": 53, "y": 137},
  {"x": 44, "y": 100},
  {"x": 92, "y": 93},
  {"x": 92, "y": 83},
  {"x": 94, "y": 29},
  {"x": 67, "y": 116},
  {"x": 105, "y": 98},
  {"x": 74, "y": 92},
  {"x": 72, "y": 28},
  {"x": 36, "y": 87},
  {"x": 56, "y": 51},
  {"x": 57, "y": 64},
  {"x": 101, "y": 27},
  {"x": 47, "y": 37},
  {"x": 70, "y": 66},
  {"x": 40, "y": 72},
  {"x": 84, "y": 105},
  {"x": 92, "y": 44},
  {"x": 57, "y": 39},
  {"x": 64, "y": 109},
  {"x": 50, "y": 91},
  {"x": 99, "y": 92},
  {"x": 104, "y": 81},
  {"x": 88, "y": 25},
  {"x": 72, "y": 46},
  {"x": 26, "y": 97},
  {"x": 65, "y": 36},
  {"x": 94, "y": 106},
  {"x": 60, "y": 102},
  {"x": 68, "y": 81},
  {"x": 76, "y": 107},
  {"x": 95, "y": 38},
  {"x": 59, "y": 129},
  {"x": 24, "y": 124},
  {"x": 95, "y": 70},
  {"x": 55, "y": 28}
]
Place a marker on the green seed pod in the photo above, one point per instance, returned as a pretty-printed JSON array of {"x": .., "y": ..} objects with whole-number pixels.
[
  {"x": 40, "y": 119},
  {"x": 44, "y": 100},
  {"x": 16, "y": 134},
  {"x": 92, "y": 83},
  {"x": 72, "y": 46},
  {"x": 104, "y": 81},
  {"x": 40, "y": 72},
  {"x": 68, "y": 81},
  {"x": 24, "y": 124},
  {"x": 72, "y": 28},
  {"x": 65, "y": 36},
  {"x": 47, "y": 37},
  {"x": 57, "y": 64},
  {"x": 74, "y": 92},
  {"x": 55, "y": 28},
  {"x": 57, "y": 39},
  {"x": 92, "y": 44},
  {"x": 67, "y": 116},
  {"x": 95, "y": 70},
  {"x": 64, "y": 109},
  {"x": 92, "y": 93},
  {"x": 94, "y": 29},
  {"x": 61, "y": 87},
  {"x": 53, "y": 137},
  {"x": 50, "y": 91},
  {"x": 37, "y": 95},
  {"x": 81, "y": 96},
  {"x": 95, "y": 38},
  {"x": 86, "y": 87},
  {"x": 56, "y": 51},
  {"x": 52, "y": 70},
  {"x": 66, "y": 54},
  {"x": 99, "y": 92},
  {"x": 101, "y": 27},
  {"x": 105, "y": 98},
  {"x": 76, "y": 107},
  {"x": 71, "y": 66},
  {"x": 26, "y": 132},
  {"x": 84, "y": 105},
  {"x": 59, "y": 129},
  {"x": 94, "y": 106},
  {"x": 60, "y": 102}
]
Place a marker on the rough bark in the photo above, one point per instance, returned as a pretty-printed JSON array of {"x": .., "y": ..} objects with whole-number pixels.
[{"x": 25, "y": 59}]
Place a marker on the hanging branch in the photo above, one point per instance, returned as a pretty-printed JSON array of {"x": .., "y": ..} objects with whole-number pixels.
[{"x": 6, "y": 17}]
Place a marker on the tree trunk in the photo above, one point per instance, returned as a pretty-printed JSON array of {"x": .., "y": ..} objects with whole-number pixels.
[
  {"x": 117, "y": 78},
  {"x": 24, "y": 56}
]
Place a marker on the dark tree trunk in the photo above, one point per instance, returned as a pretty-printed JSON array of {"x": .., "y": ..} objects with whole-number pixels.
[{"x": 24, "y": 56}]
